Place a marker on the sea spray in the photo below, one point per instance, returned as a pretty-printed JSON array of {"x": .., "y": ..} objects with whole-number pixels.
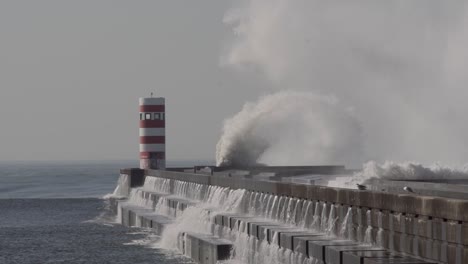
[
  {"x": 323, "y": 219},
  {"x": 198, "y": 217},
  {"x": 290, "y": 128},
  {"x": 122, "y": 189},
  {"x": 159, "y": 185},
  {"x": 331, "y": 224},
  {"x": 368, "y": 238},
  {"x": 400, "y": 171},
  {"x": 403, "y": 82},
  {"x": 316, "y": 218},
  {"x": 307, "y": 214},
  {"x": 347, "y": 225}
]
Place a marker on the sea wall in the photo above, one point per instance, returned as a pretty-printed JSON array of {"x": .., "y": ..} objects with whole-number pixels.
[{"x": 433, "y": 228}]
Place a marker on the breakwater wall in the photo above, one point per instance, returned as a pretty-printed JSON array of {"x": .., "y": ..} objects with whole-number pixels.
[{"x": 269, "y": 221}]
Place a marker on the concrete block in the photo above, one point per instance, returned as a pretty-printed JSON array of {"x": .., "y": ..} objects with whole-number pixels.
[
  {"x": 389, "y": 201},
  {"x": 206, "y": 249},
  {"x": 264, "y": 186},
  {"x": 360, "y": 216},
  {"x": 409, "y": 223},
  {"x": 464, "y": 234},
  {"x": 298, "y": 190},
  {"x": 423, "y": 227},
  {"x": 132, "y": 214},
  {"x": 334, "y": 254},
  {"x": 283, "y": 188},
  {"x": 159, "y": 222},
  {"x": 454, "y": 232},
  {"x": 456, "y": 254},
  {"x": 136, "y": 176},
  {"x": 335, "y": 228},
  {"x": 301, "y": 243},
  {"x": 438, "y": 249},
  {"x": 274, "y": 233},
  {"x": 186, "y": 176},
  {"x": 252, "y": 226},
  {"x": 317, "y": 248},
  {"x": 403, "y": 260},
  {"x": 382, "y": 238},
  {"x": 218, "y": 219},
  {"x": 365, "y": 199},
  {"x": 451, "y": 209},
  {"x": 341, "y": 211},
  {"x": 192, "y": 247},
  {"x": 114, "y": 204},
  {"x": 400, "y": 242},
  {"x": 357, "y": 257},
  {"x": 313, "y": 192},
  {"x": 344, "y": 196},
  {"x": 124, "y": 214},
  {"x": 286, "y": 239},
  {"x": 308, "y": 210},
  {"x": 145, "y": 222},
  {"x": 395, "y": 222},
  {"x": 406, "y": 203},
  {"x": 423, "y": 247},
  {"x": 403, "y": 223},
  {"x": 377, "y": 199},
  {"x": 380, "y": 219},
  {"x": 262, "y": 230},
  {"x": 226, "y": 218},
  {"x": 360, "y": 233},
  {"x": 239, "y": 223},
  {"x": 439, "y": 229},
  {"x": 214, "y": 250},
  {"x": 330, "y": 194}
]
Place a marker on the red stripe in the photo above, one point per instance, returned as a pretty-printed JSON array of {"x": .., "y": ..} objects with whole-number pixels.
[
  {"x": 157, "y": 155},
  {"x": 144, "y": 155},
  {"x": 152, "y": 108},
  {"x": 152, "y": 140},
  {"x": 152, "y": 124}
]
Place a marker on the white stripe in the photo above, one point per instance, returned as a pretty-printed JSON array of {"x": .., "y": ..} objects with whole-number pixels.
[
  {"x": 152, "y": 147},
  {"x": 152, "y": 132},
  {"x": 152, "y": 101}
]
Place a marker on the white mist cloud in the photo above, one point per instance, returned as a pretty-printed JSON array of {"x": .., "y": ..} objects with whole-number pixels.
[
  {"x": 400, "y": 64},
  {"x": 291, "y": 128},
  {"x": 400, "y": 171}
]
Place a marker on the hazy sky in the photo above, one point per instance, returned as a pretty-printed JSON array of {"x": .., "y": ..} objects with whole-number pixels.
[{"x": 71, "y": 73}]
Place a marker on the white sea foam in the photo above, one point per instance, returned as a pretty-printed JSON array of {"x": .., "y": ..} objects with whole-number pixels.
[
  {"x": 401, "y": 171},
  {"x": 121, "y": 190},
  {"x": 407, "y": 84},
  {"x": 291, "y": 128}
]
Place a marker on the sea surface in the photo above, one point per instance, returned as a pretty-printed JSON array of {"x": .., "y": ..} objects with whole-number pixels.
[{"x": 53, "y": 212}]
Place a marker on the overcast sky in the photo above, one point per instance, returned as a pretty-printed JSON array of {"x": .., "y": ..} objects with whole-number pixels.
[{"x": 71, "y": 73}]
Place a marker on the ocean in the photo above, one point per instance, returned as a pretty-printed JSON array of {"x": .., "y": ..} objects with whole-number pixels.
[{"x": 53, "y": 212}]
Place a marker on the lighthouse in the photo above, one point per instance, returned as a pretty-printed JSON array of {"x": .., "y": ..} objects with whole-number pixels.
[{"x": 152, "y": 133}]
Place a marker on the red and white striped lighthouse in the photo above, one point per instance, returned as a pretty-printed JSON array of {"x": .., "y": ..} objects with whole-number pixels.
[{"x": 152, "y": 133}]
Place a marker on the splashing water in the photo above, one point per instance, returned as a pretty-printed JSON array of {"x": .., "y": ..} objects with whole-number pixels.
[
  {"x": 292, "y": 128},
  {"x": 400, "y": 171},
  {"x": 200, "y": 215},
  {"x": 323, "y": 220},
  {"x": 401, "y": 82},
  {"x": 121, "y": 190},
  {"x": 347, "y": 225}
]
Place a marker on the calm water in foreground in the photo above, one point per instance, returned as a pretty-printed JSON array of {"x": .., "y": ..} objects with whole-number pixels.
[{"x": 53, "y": 213}]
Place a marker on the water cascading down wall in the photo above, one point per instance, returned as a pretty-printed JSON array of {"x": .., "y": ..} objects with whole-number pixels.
[{"x": 243, "y": 220}]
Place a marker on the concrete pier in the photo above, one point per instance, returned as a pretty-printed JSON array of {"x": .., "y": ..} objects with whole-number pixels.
[{"x": 384, "y": 227}]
